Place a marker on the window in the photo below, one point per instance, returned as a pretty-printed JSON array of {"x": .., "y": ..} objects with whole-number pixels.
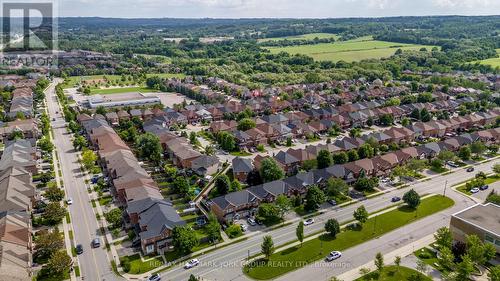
[
  {"x": 150, "y": 248},
  {"x": 489, "y": 238}
]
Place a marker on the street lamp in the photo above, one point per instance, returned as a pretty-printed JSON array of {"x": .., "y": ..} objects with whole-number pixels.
[{"x": 444, "y": 191}]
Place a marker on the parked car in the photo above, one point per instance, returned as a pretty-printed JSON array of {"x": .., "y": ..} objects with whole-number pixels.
[
  {"x": 244, "y": 228},
  {"x": 154, "y": 277},
  {"x": 396, "y": 199},
  {"x": 452, "y": 164},
  {"x": 308, "y": 221},
  {"x": 251, "y": 221},
  {"x": 484, "y": 187},
  {"x": 385, "y": 180},
  {"x": 69, "y": 201},
  {"x": 192, "y": 263},
  {"x": 79, "y": 249},
  {"x": 474, "y": 190},
  {"x": 333, "y": 256},
  {"x": 470, "y": 169},
  {"x": 332, "y": 202},
  {"x": 96, "y": 243}
]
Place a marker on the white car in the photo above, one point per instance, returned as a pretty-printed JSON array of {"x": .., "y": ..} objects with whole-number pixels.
[
  {"x": 251, "y": 221},
  {"x": 474, "y": 190},
  {"x": 244, "y": 228},
  {"x": 333, "y": 256},
  {"x": 308, "y": 221},
  {"x": 154, "y": 277},
  {"x": 69, "y": 201},
  {"x": 192, "y": 263}
]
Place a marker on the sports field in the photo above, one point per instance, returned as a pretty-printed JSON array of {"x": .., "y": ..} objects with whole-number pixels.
[
  {"x": 73, "y": 81},
  {"x": 309, "y": 36},
  {"x": 352, "y": 50},
  {"x": 494, "y": 62}
]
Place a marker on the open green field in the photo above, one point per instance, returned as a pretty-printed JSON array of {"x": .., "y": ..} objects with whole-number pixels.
[
  {"x": 309, "y": 36},
  {"x": 494, "y": 62},
  {"x": 73, "y": 81},
  {"x": 352, "y": 50},
  {"x": 121, "y": 90},
  {"x": 298, "y": 256},
  {"x": 393, "y": 273}
]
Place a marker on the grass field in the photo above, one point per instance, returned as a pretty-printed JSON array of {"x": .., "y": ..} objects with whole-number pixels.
[
  {"x": 393, "y": 273},
  {"x": 137, "y": 266},
  {"x": 121, "y": 90},
  {"x": 73, "y": 81},
  {"x": 309, "y": 36},
  {"x": 494, "y": 62},
  {"x": 352, "y": 50},
  {"x": 316, "y": 249},
  {"x": 489, "y": 180}
]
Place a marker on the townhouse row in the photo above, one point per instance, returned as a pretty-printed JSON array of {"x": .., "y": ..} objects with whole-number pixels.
[{"x": 245, "y": 202}]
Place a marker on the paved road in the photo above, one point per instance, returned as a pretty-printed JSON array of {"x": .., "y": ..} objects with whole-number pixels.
[
  {"x": 225, "y": 264},
  {"x": 94, "y": 263}
]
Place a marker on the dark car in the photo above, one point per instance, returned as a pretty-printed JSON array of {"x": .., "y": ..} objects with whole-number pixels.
[
  {"x": 96, "y": 243},
  {"x": 470, "y": 169},
  {"x": 79, "y": 249},
  {"x": 332, "y": 202},
  {"x": 396, "y": 199},
  {"x": 484, "y": 187}
]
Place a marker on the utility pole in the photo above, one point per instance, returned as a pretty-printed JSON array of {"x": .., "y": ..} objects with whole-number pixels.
[{"x": 444, "y": 191}]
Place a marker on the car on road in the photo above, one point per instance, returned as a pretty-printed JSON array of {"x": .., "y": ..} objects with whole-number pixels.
[
  {"x": 470, "y": 169},
  {"x": 396, "y": 199},
  {"x": 192, "y": 263},
  {"x": 69, "y": 201},
  {"x": 154, "y": 277},
  {"x": 474, "y": 190},
  {"x": 484, "y": 187},
  {"x": 96, "y": 243},
  {"x": 452, "y": 164},
  {"x": 79, "y": 249},
  {"x": 251, "y": 221},
  {"x": 308, "y": 221},
  {"x": 333, "y": 255},
  {"x": 53, "y": 119}
]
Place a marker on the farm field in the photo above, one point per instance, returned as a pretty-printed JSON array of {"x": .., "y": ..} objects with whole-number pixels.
[
  {"x": 352, "y": 50},
  {"x": 309, "y": 36},
  {"x": 494, "y": 62}
]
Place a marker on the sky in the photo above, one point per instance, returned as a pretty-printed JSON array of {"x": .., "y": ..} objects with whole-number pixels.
[{"x": 273, "y": 8}]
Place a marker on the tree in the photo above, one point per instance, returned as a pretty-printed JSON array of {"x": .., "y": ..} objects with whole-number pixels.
[
  {"x": 324, "y": 159},
  {"x": 114, "y": 217},
  {"x": 46, "y": 145},
  {"x": 289, "y": 141},
  {"x": 465, "y": 268},
  {"x": 222, "y": 184},
  {"x": 416, "y": 165},
  {"x": 47, "y": 243},
  {"x": 226, "y": 141},
  {"x": 446, "y": 258},
  {"x": 314, "y": 198},
  {"x": 379, "y": 262},
  {"x": 79, "y": 142},
  {"x": 425, "y": 116},
  {"x": 149, "y": 147},
  {"x": 184, "y": 239},
  {"x": 267, "y": 247},
  {"x": 464, "y": 153},
  {"x": 340, "y": 158},
  {"x": 299, "y": 231},
  {"x": 270, "y": 170},
  {"x": 477, "y": 148},
  {"x": 366, "y": 184},
  {"x": 443, "y": 238},
  {"x": 332, "y": 226},
  {"x": 54, "y": 213},
  {"x": 235, "y": 185},
  {"x": 59, "y": 263},
  {"x": 246, "y": 124},
  {"x": 446, "y": 155},
  {"x": 192, "y": 278},
  {"x": 479, "y": 252},
  {"x": 412, "y": 199},
  {"x": 88, "y": 159},
  {"x": 283, "y": 204},
  {"x": 336, "y": 187},
  {"x": 213, "y": 228},
  {"x": 496, "y": 169},
  {"x": 268, "y": 212},
  {"x": 54, "y": 194},
  {"x": 181, "y": 185},
  {"x": 361, "y": 215},
  {"x": 397, "y": 261},
  {"x": 437, "y": 164},
  {"x": 386, "y": 120},
  {"x": 494, "y": 273},
  {"x": 366, "y": 151},
  {"x": 352, "y": 155}
]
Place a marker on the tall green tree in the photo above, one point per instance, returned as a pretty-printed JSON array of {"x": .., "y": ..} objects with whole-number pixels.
[
  {"x": 412, "y": 199},
  {"x": 270, "y": 170},
  {"x": 59, "y": 263},
  {"x": 361, "y": 215},
  {"x": 184, "y": 239},
  {"x": 379, "y": 262},
  {"x": 48, "y": 242},
  {"x": 149, "y": 147},
  {"x": 299, "y": 231},
  {"x": 332, "y": 226},
  {"x": 267, "y": 247},
  {"x": 324, "y": 159},
  {"x": 443, "y": 238},
  {"x": 222, "y": 184},
  {"x": 314, "y": 198}
]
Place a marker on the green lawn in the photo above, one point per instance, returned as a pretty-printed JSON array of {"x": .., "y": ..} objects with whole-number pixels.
[
  {"x": 73, "y": 81},
  {"x": 121, "y": 90},
  {"x": 137, "y": 266},
  {"x": 494, "y": 62},
  {"x": 309, "y": 36},
  {"x": 393, "y": 273},
  {"x": 427, "y": 256},
  {"x": 352, "y": 50},
  {"x": 318, "y": 248},
  {"x": 105, "y": 200},
  {"x": 489, "y": 180}
]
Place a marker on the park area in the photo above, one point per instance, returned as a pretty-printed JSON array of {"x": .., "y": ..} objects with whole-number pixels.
[
  {"x": 110, "y": 84},
  {"x": 352, "y": 50},
  {"x": 493, "y": 62},
  {"x": 317, "y": 248}
]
